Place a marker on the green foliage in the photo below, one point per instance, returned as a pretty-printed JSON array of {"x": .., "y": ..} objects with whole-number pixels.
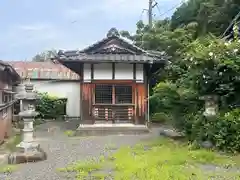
[
  {"x": 196, "y": 127},
  {"x": 173, "y": 102},
  {"x": 161, "y": 117},
  {"x": 172, "y": 42},
  {"x": 8, "y": 169},
  {"x": 50, "y": 107},
  {"x": 113, "y": 31},
  {"x": 212, "y": 16},
  {"x": 235, "y": 30},
  {"x": 214, "y": 68},
  {"x": 161, "y": 158},
  {"x": 164, "y": 98},
  {"x": 162, "y": 38},
  {"x": 13, "y": 142},
  {"x": 70, "y": 133},
  {"x": 223, "y": 131},
  {"x": 44, "y": 56},
  {"x": 226, "y": 131},
  {"x": 200, "y": 64}
]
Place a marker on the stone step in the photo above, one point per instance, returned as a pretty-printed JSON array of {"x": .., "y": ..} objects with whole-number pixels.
[
  {"x": 101, "y": 130},
  {"x": 3, "y": 158}
]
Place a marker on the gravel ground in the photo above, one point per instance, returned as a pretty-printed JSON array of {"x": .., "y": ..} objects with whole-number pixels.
[{"x": 62, "y": 150}]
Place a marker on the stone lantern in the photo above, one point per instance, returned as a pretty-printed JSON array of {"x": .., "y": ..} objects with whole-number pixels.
[
  {"x": 211, "y": 110},
  {"x": 211, "y": 105},
  {"x": 28, "y": 150}
]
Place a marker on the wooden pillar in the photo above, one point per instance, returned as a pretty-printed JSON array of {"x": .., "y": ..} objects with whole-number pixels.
[
  {"x": 136, "y": 105},
  {"x": 81, "y": 94},
  {"x": 113, "y": 102},
  {"x": 91, "y": 102}
]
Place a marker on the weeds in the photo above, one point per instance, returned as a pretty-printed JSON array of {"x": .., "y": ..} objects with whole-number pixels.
[{"x": 159, "y": 159}]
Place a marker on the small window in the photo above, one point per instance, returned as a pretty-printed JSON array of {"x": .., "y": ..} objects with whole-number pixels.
[
  {"x": 16, "y": 108},
  {"x": 123, "y": 94},
  {"x": 4, "y": 113},
  {"x": 103, "y": 94},
  {"x": 6, "y": 97}
]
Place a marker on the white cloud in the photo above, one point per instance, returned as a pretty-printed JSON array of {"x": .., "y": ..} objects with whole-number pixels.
[
  {"x": 34, "y": 27},
  {"x": 57, "y": 33},
  {"x": 27, "y": 34},
  {"x": 73, "y": 13},
  {"x": 123, "y": 7},
  {"x": 113, "y": 8}
]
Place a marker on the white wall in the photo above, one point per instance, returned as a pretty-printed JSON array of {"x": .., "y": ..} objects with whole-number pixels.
[
  {"x": 62, "y": 89},
  {"x": 139, "y": 73},
  {"x": 103, "y": 71},
  {"x": 87, "y": 72},
  {"x": 123, "y": 71}
]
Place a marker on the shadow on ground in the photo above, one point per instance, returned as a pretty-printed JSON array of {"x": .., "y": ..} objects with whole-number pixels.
[{"x": 71, "y": 124}]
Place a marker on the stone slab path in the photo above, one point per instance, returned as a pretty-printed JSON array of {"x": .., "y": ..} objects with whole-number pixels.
[{"x": 63, "y": 150}]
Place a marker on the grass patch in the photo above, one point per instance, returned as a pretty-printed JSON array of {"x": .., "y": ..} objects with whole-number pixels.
[
  {"x": 70, "y": 133},
  {"x": 12, "y": 142},
  {"x": 160, "y": 159},
  {"x": 7, "y": 168},
  {"x": 84, "y": 169}
]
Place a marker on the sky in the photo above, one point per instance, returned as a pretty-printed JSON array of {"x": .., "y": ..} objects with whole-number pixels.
[{"x": 29, "y": 27}]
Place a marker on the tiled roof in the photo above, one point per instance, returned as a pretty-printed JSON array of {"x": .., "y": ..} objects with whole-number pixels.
[
  {"x": 12, "y": 71},
  {"x": 120, "y": 38},
  {"x": 112, "y": 49},
  {"x": 127, "y": 58},
  {"x": 43, "y": 70}
]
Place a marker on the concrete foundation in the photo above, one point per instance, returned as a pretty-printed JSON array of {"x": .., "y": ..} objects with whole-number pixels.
[
  {"x": 27, "y": 156},
  {"x": 111, "y": 129}
]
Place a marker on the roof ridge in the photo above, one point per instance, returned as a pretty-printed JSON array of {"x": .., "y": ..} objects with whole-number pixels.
[{"x": 124, "y": 39}]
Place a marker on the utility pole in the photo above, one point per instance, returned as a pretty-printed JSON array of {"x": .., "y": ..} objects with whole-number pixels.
[{"x": 150, "y": 8}]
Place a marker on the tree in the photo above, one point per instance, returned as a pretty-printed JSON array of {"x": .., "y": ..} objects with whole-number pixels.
[
  {"x": 44, "y": 56},
  {"x": 113, "y": 31},
  {"x": 172, "y": 42},
  {"x": 212, "y": 16},
  {"x": 213, "y": 68},
  {"x": 126, "y": 34}
]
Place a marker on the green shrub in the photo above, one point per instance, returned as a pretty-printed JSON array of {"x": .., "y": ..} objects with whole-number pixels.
[
  {"x": 164, "y": 98},
  {"x": 50, "y": 107},
  {"x": 196, "y": 127},
  {"x": 223, "y": 131},
  {"x": 175, "y": 102},
  {"x": 184, "y": 110},
  {"x": 161, "y": 118},
  {"x": 226, "y": 131}
]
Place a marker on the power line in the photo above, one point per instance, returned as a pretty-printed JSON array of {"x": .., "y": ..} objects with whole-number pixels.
[
  {"x": 151, "y": 6},
  {"x": 158, "y": 8},
  {"x": 150, "y": 15},
  {"x": 141, "y": 15},
  {"x": 231, "y": 24},
  {"x": 171, "y": 9}
]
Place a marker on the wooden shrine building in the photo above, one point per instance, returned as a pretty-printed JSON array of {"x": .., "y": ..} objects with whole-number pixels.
[{"x": 114, "y": 78}]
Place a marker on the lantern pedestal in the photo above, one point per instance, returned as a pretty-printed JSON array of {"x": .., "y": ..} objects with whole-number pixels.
[
  {"x": 211, "y": 105},
  {"x": 33, "y": 155},
  {"x": 28, "y": 150}
]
